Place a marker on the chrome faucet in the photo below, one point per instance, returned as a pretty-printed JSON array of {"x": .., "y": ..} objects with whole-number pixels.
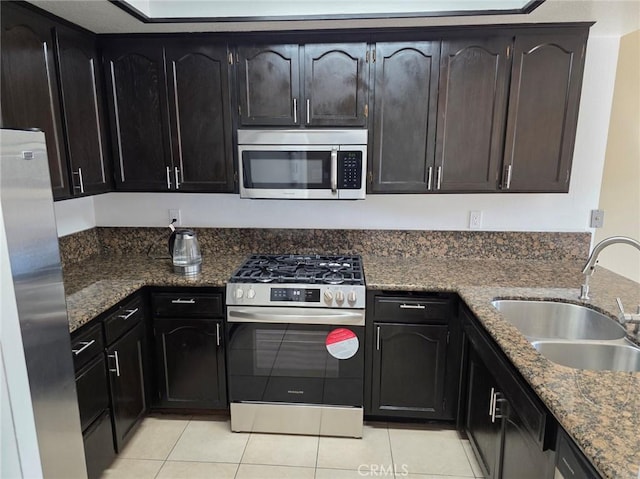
[{"x": 589, "y": 268}]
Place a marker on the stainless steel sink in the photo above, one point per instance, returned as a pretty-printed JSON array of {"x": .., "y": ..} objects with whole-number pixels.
[
  {"x": 554, "y": 320},
  {"x": 593, "y": 356}
]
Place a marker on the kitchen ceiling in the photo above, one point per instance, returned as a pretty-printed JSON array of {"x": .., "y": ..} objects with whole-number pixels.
[{"x": 613, "y": 17}]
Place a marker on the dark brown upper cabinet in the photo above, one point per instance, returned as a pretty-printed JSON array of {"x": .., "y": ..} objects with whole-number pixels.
[
  {"x": 200, "y": 115},
  {"x": 268, "y": 85},
  {"x": 306, "y": 85},
  {"x": 474, "y": 77},
  {"x": 171, "y": 119},
  {"x": 138, "y": 109},
  {"x": 335, "y": 79},
  {"x": 404, "y": 125},
  {"x": 82, "y": 107},
  {"x": 30, "y": 87},
  {"x": 546, "y": 79}
]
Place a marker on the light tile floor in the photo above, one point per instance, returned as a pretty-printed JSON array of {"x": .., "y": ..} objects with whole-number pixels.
[{"x": 199, "y": 447}]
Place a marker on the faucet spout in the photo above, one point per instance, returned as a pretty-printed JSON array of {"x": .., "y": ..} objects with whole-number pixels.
[
  {"x": 590, "y": 265},
  {"x": 593, "y": 257}
]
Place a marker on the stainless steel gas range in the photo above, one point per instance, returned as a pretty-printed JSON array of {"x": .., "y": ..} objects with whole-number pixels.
[{"x": 295, "y": 326}]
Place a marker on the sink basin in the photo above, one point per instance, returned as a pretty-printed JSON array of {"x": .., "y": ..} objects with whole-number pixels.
[
  {"x": 554, "y": 320},
  {"x": 594, "y": 356}
]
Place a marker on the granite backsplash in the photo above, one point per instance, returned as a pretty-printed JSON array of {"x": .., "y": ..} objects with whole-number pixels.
[{"x": 399, "y": 243}]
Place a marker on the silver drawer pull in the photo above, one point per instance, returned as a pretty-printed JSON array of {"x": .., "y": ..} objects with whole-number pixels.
[
  {"x": 130, "y": 312},
  {"x": 412, "y": 306},
  {"x": 117, "y": 369},
  {"x": 85, "y": 345},
  {"x": 217, "y": 334},
  {"x": 573, "y": 473},
  {"x": 183, "y": 301}
]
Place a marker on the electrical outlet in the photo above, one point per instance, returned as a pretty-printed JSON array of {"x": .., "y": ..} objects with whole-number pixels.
[
  {"x": 475, "y": 220},
  {"x": 597, "y": 218},
  {"x": 175, "y": 214}
]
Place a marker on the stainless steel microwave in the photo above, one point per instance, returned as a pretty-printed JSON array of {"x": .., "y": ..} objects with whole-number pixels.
[{"x": 303, "y": 164}]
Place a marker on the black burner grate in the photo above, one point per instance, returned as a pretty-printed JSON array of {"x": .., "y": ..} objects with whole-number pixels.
[{"x": 305, "y": 269}]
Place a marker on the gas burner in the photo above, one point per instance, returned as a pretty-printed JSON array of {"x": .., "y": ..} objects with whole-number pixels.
[{"x": 300, "y": 269}]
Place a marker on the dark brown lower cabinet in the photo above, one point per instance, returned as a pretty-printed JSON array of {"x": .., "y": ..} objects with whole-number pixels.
[
  {"x": 127, "y": 380},
  {"x": 98, "y": 446},
  {"x": 408, "y": 369},
  {"x": 511, "y": 432},
  {"x": 190, "y": 361}
]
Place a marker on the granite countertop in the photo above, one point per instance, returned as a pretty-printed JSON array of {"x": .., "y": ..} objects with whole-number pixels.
[{"x": 599, "y": 409}]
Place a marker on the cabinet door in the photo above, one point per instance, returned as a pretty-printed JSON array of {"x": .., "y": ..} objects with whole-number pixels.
[
  {"x": 399, "y": 388},
  {"x": 471, "y": 114},
  {"x": 190, "y": 358},
  {"x": 29, "y": 86},
  {"x": 125, "y": 358},
  {"x": 543, "y": 111},
  {"x": 483, "y": 429},
  {"x": 522, "y": 458},
  {"x": 406, "y": 88},
  {"x": 335, "y": 78},
  {"x": 200, "y": 116},
  {"x": 81, "y": 88},
  {"x": 137, "y": 101},
  {"x": 269, "y": 85}
]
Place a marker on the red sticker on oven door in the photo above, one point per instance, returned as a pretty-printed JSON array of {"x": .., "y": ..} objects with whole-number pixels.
[{"x": 342, "y": 343}]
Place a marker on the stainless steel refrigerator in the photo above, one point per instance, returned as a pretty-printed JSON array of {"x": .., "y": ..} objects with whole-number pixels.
[{"x": 30, "y": 259}]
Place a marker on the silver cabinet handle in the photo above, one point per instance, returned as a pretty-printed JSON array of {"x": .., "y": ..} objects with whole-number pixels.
[
  {"x": 507, "y": 183},
  {"x": 168, "y": 178},
  {"x": 183, "y": 301},
  {"x": 81, "y": 187},
  {"x": 217, "y": 334},
  {"x": 115, "y": 357},
  {"x": 51, "y": 97},
  {"x": 130, "y": 312},
  {"x": 491, "y": 398},
  {"x": 175, "y": 101},
  {"x": 117, "y": 115},
  {"x": 378, "y": 338},
  {"x": 412, "y": 306},
  {"x": 295, "y": 110},
  {"x": 308, "y": 111},
  {"x": 439, "y": 177},
  {"x": 95, "y": 107},
  {"x": 334, "y": 170},
  {"x": 430, "y": 178},
  {"x": 85, "y": 345},
  {"x": 176, "y": 173},
  {"x": 573, "y": 473}
]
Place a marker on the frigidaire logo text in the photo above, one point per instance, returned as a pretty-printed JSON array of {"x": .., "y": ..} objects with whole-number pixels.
[{"x": 295, "y": 392}]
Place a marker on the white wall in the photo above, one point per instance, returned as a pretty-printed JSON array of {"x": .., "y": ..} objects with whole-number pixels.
[
  {"x": 500, "y": 212},
  {"x": 74, "y": 215}
]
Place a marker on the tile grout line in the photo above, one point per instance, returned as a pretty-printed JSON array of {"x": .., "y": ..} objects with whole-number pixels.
[
  {"x": 244, "y": 450},
  {"x": 393, "y": 462},
  {"x": 178, "y": 440}
]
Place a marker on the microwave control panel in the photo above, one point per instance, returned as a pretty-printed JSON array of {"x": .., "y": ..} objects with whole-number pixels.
[{"x": 350, "y": 170}]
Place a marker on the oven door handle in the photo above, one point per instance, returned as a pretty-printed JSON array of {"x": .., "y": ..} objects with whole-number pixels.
[{"x": 337, "y": 317}]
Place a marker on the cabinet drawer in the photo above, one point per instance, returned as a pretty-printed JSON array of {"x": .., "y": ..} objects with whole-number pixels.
[
  {"x": 186, "y": 305},
  {"x": 411, "y": 309},
  {"x": 570, "y": 462},
  {"x": 98, "y": 446},
  {"x": 86, "y": 345},
  {"x": 93, "y": 396},
  {"x": 123, "y": 319}
]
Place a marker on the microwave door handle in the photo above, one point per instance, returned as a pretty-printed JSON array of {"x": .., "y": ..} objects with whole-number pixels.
[{"x": 334, "y": 170}]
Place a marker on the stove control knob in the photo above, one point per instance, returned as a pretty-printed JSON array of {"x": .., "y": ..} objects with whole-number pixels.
[
  {"x": 328, "y": 296},
  {"x": 339, "y": 297},
  {"x": 251, "y": 293},
  {"x": 239, "y": 293},
  {"x": 351, "y": 297}
]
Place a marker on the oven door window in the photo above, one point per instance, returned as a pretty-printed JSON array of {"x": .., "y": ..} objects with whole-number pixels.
[
  {"x": 291, "y": 363},
  {"x": 286, "y": 169}
]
